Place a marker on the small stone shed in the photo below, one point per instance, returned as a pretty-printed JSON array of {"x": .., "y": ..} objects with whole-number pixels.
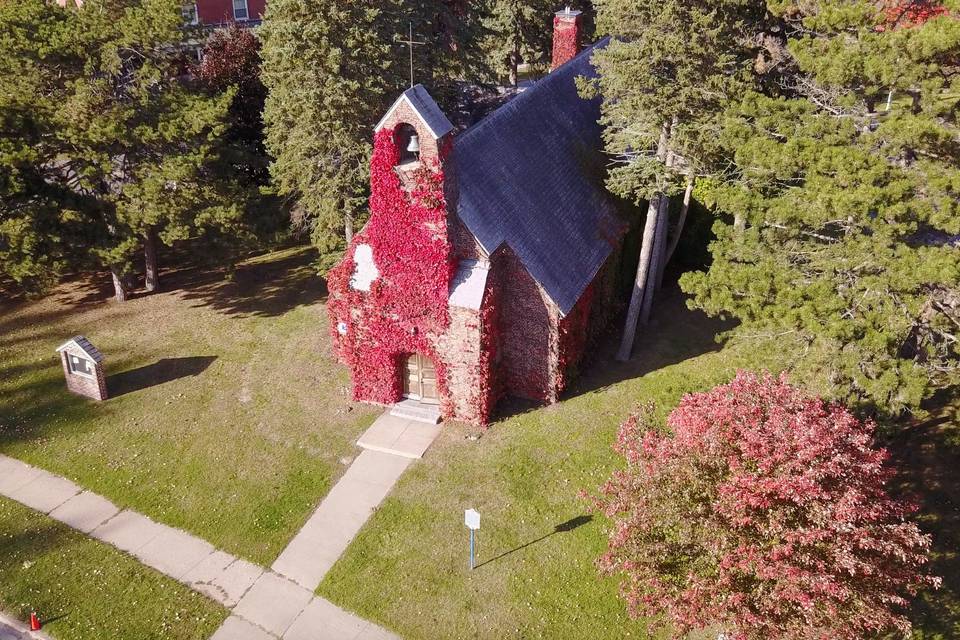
[{"x": 83, "y": 368}]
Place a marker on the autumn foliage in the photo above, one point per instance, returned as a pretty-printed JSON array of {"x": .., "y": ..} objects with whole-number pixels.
[
  {"x": 763, "y": 513},
  {"x": 406, "y": 306},
  {"x": 908, "y": 13}
]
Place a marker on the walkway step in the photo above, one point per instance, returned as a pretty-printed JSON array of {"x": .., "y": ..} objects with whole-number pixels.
[
  {"x": 413, "y": 410},
  {"x": 399, "y": 436}
]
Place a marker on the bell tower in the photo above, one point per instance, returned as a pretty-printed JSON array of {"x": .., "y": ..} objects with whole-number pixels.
[{"x": 421, "y": 131}]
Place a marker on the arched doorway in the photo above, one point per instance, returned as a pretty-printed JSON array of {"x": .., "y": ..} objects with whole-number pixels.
[{"x": 420, "y": 379}]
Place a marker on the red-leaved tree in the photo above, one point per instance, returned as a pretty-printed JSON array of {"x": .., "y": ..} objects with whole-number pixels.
[
  {"x": 231, "y": 59},
  {"x": 763, "y": 513}
]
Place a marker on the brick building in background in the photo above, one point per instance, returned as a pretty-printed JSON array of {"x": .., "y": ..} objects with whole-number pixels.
[
  {"x": 532, "y": 240},
  {"x": 221, "y": 12}
]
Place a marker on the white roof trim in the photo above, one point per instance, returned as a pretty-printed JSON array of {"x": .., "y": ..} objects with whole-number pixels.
[{"x": 394, "y": 108}]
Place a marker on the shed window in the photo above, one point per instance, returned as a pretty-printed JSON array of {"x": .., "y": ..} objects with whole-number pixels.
[
  {"x": 80, "y": 365},
  {"x": 240, "y": 11}
]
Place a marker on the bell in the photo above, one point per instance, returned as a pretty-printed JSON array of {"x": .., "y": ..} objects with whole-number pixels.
[{"x": 414, "y": 146}]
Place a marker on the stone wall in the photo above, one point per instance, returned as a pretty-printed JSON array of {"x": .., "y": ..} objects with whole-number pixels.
[{"x": 527, "y": 330}]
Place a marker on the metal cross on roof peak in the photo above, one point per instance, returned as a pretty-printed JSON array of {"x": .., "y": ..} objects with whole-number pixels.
[{"x": 411, "y": 43}]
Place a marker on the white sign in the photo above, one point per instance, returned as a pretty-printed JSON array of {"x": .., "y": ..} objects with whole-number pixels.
[{"x": 471, "y": 518}]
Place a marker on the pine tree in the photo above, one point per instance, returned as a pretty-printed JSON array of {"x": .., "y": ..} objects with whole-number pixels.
[
  {"x": 127, "y": 151},
  {"x": 847, "y": 253},
  {"x": 520, "y": 32},
  {"x": 332, "y": 69},
  {"x": 669, "y": 73}
]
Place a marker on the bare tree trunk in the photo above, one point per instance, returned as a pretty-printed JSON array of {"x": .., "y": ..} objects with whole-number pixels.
[
  {"x": 659, "y": 259},
  {"x": 348, "y": 228},
  {"x": 120, "y": 291},
  {"x": 515, "y": 64},
  {"x": 151, "y": 277},
  {"x": 678, "y": 229},
  {"x": 656, "y": 259},
  {"x": 643, "y": 263}
]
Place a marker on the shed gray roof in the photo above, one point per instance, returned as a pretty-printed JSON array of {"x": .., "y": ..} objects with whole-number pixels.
[
  {"x": 84, "y": 345},
  {"x": 531, "y": 175},
  {"x": 426, "y": 107}
]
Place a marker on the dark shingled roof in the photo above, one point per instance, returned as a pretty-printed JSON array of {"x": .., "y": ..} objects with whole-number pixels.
[
  {"x": 92, "y": 352},
  {"x": 531, "y": 176},
  {"x": 427, "y": 108}
]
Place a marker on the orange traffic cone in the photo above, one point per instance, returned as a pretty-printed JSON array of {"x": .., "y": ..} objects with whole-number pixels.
[{"x": 34, "y": 621}]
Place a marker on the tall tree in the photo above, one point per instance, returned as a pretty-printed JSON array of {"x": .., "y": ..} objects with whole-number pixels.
[
  {"x": 40, "y": 236},
  {"x": 331, "y": 69},
  {"x": 764, "y": 514},
  {"x": 667, "y": 75},
  {"x": 851, "y": 214},
  {"x": 127, "y": 149},
  {"x": 519, "y": 32}
]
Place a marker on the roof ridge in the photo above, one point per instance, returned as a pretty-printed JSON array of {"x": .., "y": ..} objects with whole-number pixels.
[{"x": 525, "y": 96}]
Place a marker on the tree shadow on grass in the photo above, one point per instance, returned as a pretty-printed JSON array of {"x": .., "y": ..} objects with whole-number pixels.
[
  {"x": 160, "y": 372},
  {"x": 927, "y": 456},
  {"x": 563, "y": 527},
  {"x": 260, "y": 288}
]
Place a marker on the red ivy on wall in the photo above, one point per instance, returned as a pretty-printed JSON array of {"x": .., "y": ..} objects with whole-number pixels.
[
  {"x": 572, "y": 330},
  {"x": 406, "y": 307}
]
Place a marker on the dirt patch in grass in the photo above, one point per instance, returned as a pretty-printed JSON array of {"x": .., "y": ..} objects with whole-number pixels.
[
  {"x": 229, "y": 416},
  {"x": 83, "y": 589}
]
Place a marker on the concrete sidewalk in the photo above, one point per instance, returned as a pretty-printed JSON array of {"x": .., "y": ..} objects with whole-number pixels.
[
  {"x": 391, "y": 444},
  {"x": 266, "y": 606}
]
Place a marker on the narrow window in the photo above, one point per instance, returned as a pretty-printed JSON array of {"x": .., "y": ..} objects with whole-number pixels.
[{"x": 240, "y": 10}]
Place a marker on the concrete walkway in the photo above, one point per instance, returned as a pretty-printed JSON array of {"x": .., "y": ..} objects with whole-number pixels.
[
  {"x": 390, "y": 444},
  {"x": 266, "y": 604}
]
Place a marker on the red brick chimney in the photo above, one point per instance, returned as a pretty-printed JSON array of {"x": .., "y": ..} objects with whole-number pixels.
[{"x": 567, "y": 25}]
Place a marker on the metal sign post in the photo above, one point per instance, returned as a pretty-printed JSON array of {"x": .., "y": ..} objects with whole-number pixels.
[{"x": 471, "y": 518}]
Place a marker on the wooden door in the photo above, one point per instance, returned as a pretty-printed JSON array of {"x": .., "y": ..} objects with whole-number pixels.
[{"x": 420, "y": 379}]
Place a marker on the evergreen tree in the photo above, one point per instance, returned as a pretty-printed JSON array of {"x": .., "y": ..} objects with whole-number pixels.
[
  {"x": 127, "y": 151},
  {"x": 848, "y": 254},
  {"x": 666, "y": 77},
  {"x": 329, "y": 69},
  {"x": 520, "y": 32},
  {"x": 39, "y": 234}
]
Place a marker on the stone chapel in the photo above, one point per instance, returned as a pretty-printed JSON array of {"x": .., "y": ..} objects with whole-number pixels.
[{"x": 491, "y": 254}]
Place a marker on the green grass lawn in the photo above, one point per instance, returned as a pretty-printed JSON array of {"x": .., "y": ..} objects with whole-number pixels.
[
  {"x": 537, "y": 579},
  {"x": 229, "y": 417},
  {"x": 86, "y": 590}
]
